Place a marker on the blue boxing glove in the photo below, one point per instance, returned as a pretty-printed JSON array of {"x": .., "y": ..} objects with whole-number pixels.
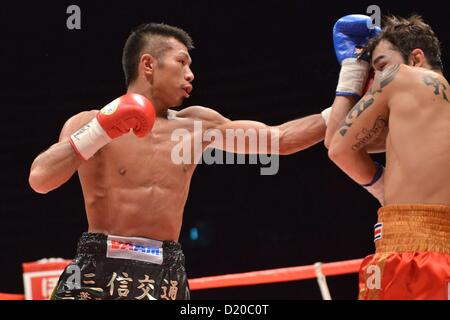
[{"x": 350, "y": 34}]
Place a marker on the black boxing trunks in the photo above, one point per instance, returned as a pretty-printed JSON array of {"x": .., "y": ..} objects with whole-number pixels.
[{"x": 110, "y": 267}]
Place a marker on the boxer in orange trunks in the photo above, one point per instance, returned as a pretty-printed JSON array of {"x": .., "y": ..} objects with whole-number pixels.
[{"x": 409, "y": 101}]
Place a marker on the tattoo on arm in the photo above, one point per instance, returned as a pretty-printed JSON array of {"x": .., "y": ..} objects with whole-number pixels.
[
  {"x": 385, "y": 78},
  {"x": 354, "y": 113},
  {"x": 436, "y": 84},
  {"x": 368, "y": 135}
]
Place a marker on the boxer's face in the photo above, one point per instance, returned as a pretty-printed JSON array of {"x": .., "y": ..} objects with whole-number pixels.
[
  {"x": 384, "y": 55},
  {"x": 172, "y": 75}
]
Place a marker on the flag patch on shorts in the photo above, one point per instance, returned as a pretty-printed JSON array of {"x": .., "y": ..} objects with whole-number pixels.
[
  {"x": 378, "y": 231},
  {"x": 141, "y": 249}
]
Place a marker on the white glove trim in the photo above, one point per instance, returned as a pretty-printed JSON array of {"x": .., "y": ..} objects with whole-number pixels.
[
  {"x": 87, "y": 140},
  {"x": 353, "y": 77}
]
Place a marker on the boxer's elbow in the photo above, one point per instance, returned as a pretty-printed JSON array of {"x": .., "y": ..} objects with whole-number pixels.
[
  {"x": 341, "y": 156},
  {"x": 329, "y": 135},
  {"x": 326, "y": 142},
  {"x": 327, "y": 139},
  {"x": 336, "y": 153},
  {"x": 37, "y": 182}
]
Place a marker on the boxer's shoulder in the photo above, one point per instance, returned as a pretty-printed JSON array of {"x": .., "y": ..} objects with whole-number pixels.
[
  {"x": 83, "y": 116},
  {"x": 390, "y": 78},
  {"x": 195, "y": 112},
  {"x": 404, "y": 77},
  {"x": 202, "y": 113}
]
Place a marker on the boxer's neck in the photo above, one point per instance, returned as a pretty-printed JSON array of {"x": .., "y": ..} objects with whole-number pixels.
[{"x": 146, "y": 91}]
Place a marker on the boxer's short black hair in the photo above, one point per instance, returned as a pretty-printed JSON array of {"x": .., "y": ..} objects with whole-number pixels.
[
  {"x": 149, "y": 36},
  {"x": 407, "y": 34}
]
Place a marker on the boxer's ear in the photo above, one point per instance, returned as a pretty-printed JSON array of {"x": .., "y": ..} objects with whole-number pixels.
[
  {"x": 146, "y": 64},
  {"x": 417, "y": 58}
]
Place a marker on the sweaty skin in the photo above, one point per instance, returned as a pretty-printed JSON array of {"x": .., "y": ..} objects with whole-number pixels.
[{"x": 413, "y": 102}]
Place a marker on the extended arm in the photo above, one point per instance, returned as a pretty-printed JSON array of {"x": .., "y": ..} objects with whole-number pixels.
[
  {"x": 247, "y": 136},
  {"x": 287, "y": 138}
]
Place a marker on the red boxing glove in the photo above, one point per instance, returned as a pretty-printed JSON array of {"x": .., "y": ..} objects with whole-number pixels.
[{"x": 131, "y": 111}]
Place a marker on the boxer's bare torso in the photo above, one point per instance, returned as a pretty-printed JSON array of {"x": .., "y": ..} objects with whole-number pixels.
[
  {"x": 418, "y": 142},
  {"x": 413, "y": 102},
  {"x": 132, "y": 187}
]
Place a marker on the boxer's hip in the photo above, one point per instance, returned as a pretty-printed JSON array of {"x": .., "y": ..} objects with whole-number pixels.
[
  {"x": 413, "y": 228},
  {"x": 114, "y": 267},
  {"x": 131, "y": 249},
  {"x": 412, "y": 259}
]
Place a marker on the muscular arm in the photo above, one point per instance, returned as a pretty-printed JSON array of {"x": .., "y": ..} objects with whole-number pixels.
[
  {"x": 300, "y": 134},
  {"x": 56, "y": 165},
  {"x": 340, "y": 108},
  {"x": 363, "y": 124},
  {"x": 246, "y": 136},
  {"x": 291, "y": 137}
]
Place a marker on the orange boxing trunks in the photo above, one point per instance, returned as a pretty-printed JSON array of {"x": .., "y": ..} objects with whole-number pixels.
[{"x": 412, "y": 258}]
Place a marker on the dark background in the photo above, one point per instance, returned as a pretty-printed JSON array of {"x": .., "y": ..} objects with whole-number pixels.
[{"x": 267, "y": 61}]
